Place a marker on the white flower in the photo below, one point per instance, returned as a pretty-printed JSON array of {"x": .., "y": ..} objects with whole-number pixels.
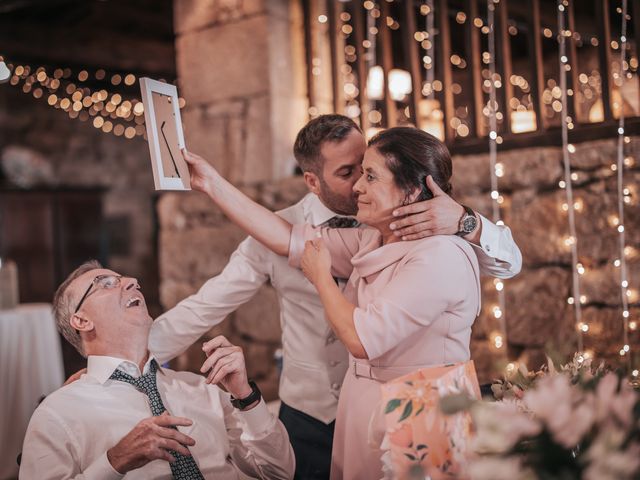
[
  {"x": 567, "y": 412},
  {"x": 498, "y": 468},
  {"x": 606, "y": 460},
  {"x": 500, "y": 425}
]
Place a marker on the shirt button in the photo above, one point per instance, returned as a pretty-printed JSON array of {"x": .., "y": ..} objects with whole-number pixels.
[
  {"x": 335, "y": 386},
  {"x": 333, "y": 363},
  {"x": 487, "y": 248}
]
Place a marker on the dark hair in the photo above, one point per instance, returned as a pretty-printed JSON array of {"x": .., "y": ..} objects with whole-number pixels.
[
  {"x": 325, "y": 128},
  {"x": 63, "y": 305},
  {"x": 412, "y": 155}
]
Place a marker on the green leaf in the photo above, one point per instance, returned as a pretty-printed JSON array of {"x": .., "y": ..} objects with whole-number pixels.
[
  {"x": 407, "y": 411},
  {"x": 420, "y": 410},
  {"x": 392, "y": 405},
  {"x": 421, "y": 446},
  {"x": 409, "y": 456}
]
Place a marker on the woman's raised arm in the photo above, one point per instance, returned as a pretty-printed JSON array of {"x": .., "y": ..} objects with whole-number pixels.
[{"x": 258, "y": 221}]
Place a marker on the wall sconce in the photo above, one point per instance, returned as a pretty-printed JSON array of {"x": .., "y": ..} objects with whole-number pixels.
[
  {"x": 375, "y": 83},
  {"x": 399, "y": 84},
  {"x": 431, "y": 118},
  {"x": 523, "y": 121}
]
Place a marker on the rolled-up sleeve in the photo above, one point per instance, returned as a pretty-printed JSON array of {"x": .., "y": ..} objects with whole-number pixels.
[
  {"x": 498, "y": 254},
  {"x": 342, "y": 243},
  {"x": 259, "y": 443}
]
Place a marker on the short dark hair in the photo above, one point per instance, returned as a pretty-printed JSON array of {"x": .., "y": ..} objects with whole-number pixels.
[
  {"x": 325, "y": 128},
  {"x": 412, "y": 155},
  {"x": 63, "y": 308}
]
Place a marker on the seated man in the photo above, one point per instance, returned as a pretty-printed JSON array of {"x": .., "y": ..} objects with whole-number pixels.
[{"x": 129, "y": 417}]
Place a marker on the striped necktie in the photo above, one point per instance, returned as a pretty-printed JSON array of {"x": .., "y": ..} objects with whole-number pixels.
[{"x": 184, "y": 468}]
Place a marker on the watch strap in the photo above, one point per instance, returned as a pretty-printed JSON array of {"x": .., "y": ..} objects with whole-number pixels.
[
  {"x": 254, "y": 396},
  {"x": 468, "y": 212}
]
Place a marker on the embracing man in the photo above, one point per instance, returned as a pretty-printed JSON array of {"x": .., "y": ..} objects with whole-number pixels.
[
  {"x": 329, "y": 150},
  {"x": 127, "y": 417}
]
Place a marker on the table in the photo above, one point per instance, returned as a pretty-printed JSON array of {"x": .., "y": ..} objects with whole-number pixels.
[{"x": 30, "y": 366}]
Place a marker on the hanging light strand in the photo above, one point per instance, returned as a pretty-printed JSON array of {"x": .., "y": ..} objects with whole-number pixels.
[
  {"x": 624, "y": 282},
  {"x": 498, "y": 338},
  {"x": 572, "y": 240}
]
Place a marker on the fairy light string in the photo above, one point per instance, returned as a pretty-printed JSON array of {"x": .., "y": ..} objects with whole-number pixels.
[
  {"x": 499, "y": 338},
  {"x": 625, "y": 350},
  {"x": 572, "y": 240},
  {"x": 65, "y": 90}
]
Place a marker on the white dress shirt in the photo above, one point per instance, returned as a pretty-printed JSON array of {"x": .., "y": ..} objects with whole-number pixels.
[
  {"x": 71, "y": 431},
  {"x": 314, "y": 362}
]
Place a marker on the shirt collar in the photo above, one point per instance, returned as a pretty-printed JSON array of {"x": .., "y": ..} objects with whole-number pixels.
[
  {"x": 101, "y": 367},
  {"x": 316, "y": 212}
]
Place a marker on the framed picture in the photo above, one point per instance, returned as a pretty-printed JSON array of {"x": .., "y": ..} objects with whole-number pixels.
[{"x": 164, "y": 134}]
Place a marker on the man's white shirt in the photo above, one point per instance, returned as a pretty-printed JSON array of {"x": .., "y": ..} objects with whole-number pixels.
[
  {"x": 314, "y": 361},
  {"x": 70, "y": 432}
]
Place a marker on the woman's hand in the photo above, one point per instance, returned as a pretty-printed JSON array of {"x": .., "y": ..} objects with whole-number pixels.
[
  {"x": 316, "y": 260},
  {"x": 203, "y": 175}
]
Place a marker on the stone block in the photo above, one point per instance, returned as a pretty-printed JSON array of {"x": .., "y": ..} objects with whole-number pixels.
[
  {"x": 198, "y": 253},
  {"x": 256, "y": 163},
  {"x": 591, "y": 155},
  {"x": 538, "y": 168},
  {"x": 539, "y": 226},
  {"x": 601, "y": 285},
  {"x": 471, "y": 174},
  {"x": 198, "y": 14},
  {"x": 212, "y": 76},
  {"x": 259, "y": 318},
  {"x": 536, "y": 305}
]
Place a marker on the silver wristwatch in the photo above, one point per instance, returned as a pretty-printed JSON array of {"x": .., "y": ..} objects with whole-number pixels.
[{"x": 468, "y": 222}]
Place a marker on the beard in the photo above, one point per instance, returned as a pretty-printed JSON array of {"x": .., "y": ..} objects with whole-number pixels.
[{"x": 341, "y": 204}]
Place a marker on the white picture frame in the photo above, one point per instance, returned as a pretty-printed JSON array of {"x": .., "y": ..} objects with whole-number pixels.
[{"x": 164, "y": 135}]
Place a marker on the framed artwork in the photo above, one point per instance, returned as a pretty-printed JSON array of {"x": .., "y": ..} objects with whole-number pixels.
[{"x": 164, "y": 134}]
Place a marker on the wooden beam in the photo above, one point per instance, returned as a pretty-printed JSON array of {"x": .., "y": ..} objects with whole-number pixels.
[
  {"x": 390, "y": 113},
  {"x": 534, "y": 42},
  {"x": 334, "y": 9},
  {"x": 604, "y": 55},
  {"x": 474, "y": 57},
  {"x": 572, "y": 56},
  {"x": 411, "y": 49},
  {"x": 308, "y": 50},
  {"x": 359, "y": 26},
  {"x": 504, "y": 43},
  {"x": 635, "y": 18},
  {"x": 444, "y": 60}
]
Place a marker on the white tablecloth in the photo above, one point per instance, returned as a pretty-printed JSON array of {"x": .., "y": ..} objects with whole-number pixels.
[{"x": 30, "y": 366}]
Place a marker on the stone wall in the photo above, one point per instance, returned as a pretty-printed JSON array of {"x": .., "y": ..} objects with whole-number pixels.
[{"x": 539, "y": 319}]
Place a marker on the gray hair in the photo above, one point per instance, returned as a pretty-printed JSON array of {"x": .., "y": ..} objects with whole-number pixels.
[{"x": 63, "y": 307}]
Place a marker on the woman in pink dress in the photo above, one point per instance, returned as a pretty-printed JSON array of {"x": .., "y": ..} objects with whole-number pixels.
[{"x": 406, "y": 305}]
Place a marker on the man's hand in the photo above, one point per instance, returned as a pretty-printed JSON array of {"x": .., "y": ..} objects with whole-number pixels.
[
  {"x": 151, "y": 439},
  {"x": 438, "y": 216},
  {"x": 225, "y": 364},
  {"x": 75, "y": 376}
]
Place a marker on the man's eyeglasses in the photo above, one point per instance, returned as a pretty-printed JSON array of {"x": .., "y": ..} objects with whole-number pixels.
[{"x": 106, "y": 281}]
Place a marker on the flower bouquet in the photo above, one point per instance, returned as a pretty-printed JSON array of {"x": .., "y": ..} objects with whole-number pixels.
[{"x": 575, "y": 422}]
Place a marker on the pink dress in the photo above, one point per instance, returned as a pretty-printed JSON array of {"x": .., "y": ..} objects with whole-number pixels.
[{"x": 416, "y": 302}]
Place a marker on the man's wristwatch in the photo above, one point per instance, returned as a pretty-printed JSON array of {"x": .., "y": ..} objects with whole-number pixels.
[
  {"x": 468, "y": 222},
  {"x": 254, "y": 396}
]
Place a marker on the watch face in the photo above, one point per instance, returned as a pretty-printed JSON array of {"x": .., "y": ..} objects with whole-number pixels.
[{"x": 469, "y": 224}]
